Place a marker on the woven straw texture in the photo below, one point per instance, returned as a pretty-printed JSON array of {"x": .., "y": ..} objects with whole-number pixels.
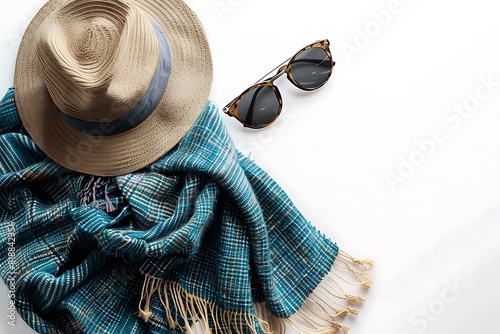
[{"x": 94, "y": 60}]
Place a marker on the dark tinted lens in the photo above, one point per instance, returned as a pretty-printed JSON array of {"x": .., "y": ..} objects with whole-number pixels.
[
  {"x": 311, "y": 68},
  {"x": 259, "y": 107}
]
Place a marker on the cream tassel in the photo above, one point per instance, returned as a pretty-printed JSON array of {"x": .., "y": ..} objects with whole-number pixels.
[{"x": 189, "y": 307}]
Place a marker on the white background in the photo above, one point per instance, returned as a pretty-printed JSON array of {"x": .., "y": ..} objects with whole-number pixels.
[{"x": 396, "y": 83}]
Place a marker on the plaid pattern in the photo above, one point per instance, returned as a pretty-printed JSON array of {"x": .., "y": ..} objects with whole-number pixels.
[{"x": 203, "y": 216}]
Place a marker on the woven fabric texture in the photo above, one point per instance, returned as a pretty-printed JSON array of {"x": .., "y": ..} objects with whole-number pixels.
[{"x": 203, "y": 217}]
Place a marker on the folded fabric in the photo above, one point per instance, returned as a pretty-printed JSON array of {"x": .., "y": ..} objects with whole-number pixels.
[{"x": 202, "y": 240}]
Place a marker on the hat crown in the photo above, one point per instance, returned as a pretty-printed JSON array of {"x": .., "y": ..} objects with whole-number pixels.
[
  {"x": 97, "y": 58},
  {"x": 113, "y": 116}
]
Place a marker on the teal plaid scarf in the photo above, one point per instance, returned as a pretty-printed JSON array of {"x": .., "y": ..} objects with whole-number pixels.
[{"x": 200, "y": 241}]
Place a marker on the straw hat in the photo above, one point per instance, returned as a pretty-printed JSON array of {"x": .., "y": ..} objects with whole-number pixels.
[{"x": 107, "y": 87}]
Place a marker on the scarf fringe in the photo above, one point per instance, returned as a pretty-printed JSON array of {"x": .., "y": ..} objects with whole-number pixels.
[
  {"x": 189, "y": 307},
  {"x": 321, "y": 312}
]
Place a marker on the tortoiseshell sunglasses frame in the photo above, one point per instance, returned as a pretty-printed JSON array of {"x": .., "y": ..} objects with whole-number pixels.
[{"x": 231, "y": 108}]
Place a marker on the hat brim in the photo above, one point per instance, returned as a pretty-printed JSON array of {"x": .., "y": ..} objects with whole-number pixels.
[{"x": 184, "y": 99}]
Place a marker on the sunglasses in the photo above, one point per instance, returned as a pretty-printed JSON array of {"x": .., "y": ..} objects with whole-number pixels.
[{"x": 260, "y": 105}]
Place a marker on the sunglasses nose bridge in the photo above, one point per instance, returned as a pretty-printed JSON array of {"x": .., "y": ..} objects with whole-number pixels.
[{"x": 278, "y": 74}]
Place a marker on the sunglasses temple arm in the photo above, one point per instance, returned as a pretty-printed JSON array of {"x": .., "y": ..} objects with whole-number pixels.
[
  {"x": 249, "y": 117},
  {"x": 274, "y": 69}
]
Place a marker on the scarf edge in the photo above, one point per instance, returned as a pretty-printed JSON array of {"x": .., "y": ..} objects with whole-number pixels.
[{"x": 322, "y": 312}]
